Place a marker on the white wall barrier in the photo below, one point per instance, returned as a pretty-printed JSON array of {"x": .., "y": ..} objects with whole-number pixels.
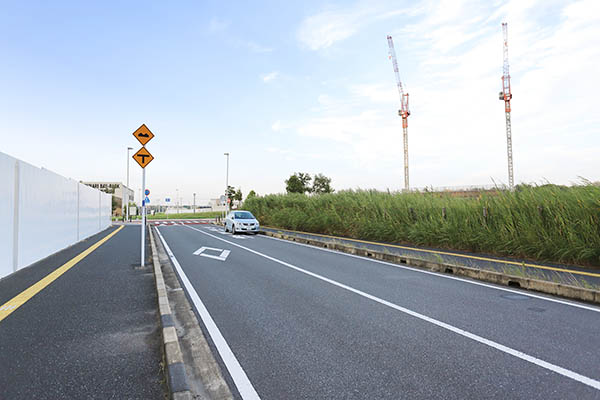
[{"x": 42, "y": 212}]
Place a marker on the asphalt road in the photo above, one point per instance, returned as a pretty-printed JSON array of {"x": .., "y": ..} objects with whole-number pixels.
[
  {"x": 93, "y": 333},
  {"x": 291, "y": 321},
  {"x": 568, "y": 274}
]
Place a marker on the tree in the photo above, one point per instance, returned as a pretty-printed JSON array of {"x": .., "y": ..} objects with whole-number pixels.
[
  {"x": 251, "y": 194},
  {"x": 238, "y": 195},
  {"x": 321, "y": 184},
  {"x": 230, "y": 194},
  {"x": 298, "y": 183}
]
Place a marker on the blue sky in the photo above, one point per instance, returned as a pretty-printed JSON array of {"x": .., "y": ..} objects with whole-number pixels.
[{"x": 300, "y": 86}]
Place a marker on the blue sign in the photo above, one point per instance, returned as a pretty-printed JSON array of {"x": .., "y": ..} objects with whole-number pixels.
[
  {"x": 143, "y": 203},
  {"x": 167, "y": 200},
  {"x": 147, "y": 192},
  {"x": 147, "y": 200}
]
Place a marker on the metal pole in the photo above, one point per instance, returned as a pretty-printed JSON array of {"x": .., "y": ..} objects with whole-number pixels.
[
  {"x": 177, "y": 200},
  {"x": 227, "y": 184},
  {"x": 127, "y": 205},
  {"x": 405, "y": 135},
  {"x": 194, "y": 203},
  {"x": 143, "y": 215}
]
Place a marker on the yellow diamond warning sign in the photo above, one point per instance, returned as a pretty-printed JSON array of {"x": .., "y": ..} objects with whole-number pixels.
[
  {"x": 143, "y": 134},
  {"x": 143, "y": 157}
]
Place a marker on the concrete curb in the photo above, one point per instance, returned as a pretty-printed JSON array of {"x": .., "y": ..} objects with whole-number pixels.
[
  {"x": 179, "y": 389},
  {"x": 555, "y": 289}
]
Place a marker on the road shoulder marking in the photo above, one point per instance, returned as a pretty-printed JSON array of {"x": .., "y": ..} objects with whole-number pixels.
[
  {"x": 13, "y": 304},
  {"x": 505, "y": 349},
  {"x": 237, "y": 373},
  {"x": 446, "y": 253},
  {"x": 445, "y": 276}
]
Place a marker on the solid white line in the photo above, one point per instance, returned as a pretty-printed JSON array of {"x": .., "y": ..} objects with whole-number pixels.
[
  {"x": 522, "y": 292},
  {"x": 243, "y": 384},
  {"x": 523, "y": 356}
]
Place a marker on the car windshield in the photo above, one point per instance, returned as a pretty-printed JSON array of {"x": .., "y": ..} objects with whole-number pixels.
[{"x": 243, "y": 215}]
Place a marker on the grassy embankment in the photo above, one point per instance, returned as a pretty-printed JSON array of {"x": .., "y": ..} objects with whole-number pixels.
[{"x": 547, "y": 223}]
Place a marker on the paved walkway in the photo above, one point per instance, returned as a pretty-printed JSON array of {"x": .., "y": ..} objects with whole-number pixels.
[{"x": 91, "y": 333}]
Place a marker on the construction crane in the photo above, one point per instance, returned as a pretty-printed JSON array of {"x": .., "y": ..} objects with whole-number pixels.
[
  {"x": 404, "y": 112},
  {"x": 506, "y": 95}
]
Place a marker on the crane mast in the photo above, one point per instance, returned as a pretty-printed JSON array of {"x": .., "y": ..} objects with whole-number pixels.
[
  {"x": 404, "y": 112},
  {"x": 506, "y": 95}
]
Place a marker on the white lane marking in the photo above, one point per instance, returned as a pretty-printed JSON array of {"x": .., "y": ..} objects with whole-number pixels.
[
  {"x": 523, "y": 356},
  {"x": 224, "y": 233},
  {"x": 243, "y": 384},
  {"x": 220, "y": 257},
  {"x": 524, "y": 293}
]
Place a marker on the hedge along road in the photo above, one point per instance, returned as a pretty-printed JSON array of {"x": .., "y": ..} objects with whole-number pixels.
[{"x": 294, "y": 321}]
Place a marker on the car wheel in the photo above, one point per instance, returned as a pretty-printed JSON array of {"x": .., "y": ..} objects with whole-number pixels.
[
  {"x": 233, "y": 229},
  {"x": 226, "y": 230}
]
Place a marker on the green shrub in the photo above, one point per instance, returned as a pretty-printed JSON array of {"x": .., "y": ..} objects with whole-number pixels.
[{"x": 549, "y": 222}]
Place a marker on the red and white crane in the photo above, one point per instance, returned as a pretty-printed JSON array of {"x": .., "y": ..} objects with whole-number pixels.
[
  {"x": 404, "y": 112},
  {"x": 506, "y": 95}
]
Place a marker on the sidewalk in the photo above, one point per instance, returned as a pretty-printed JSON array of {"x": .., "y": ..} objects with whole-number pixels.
[{"x": 91, "y": 333}]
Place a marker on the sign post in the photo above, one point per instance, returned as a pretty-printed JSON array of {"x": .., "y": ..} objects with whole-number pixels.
[{"x": 143, "y": 158}]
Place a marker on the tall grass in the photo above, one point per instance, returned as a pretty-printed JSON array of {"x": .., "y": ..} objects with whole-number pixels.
[{"x": 551, "y": 223}]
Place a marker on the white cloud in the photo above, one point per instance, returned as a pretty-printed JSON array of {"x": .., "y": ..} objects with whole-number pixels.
[
  {"x": 257, "y": 48},
  {"x": 323, "y": 29},
  {"x": 276, "y": 126},
  {"x": 217, "y": 25},
  {"x": 457, "y": 127},
  {"x": 271, "y": 76}
]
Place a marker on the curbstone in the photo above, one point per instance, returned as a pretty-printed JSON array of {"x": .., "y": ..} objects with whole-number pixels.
[
  {"x": 552, "y": 288},
  {"x": 543, "y": 286},
  {"x": 177, "y": 377},
  {"x": 166, "y": 320},
  {"x": 179, "y": 388},
  {"x": 182, "y": 396},
  {"x": 164, "y": 309},
  {"x": 169, "y": 334},
  {"x": 173, "y": 353}
]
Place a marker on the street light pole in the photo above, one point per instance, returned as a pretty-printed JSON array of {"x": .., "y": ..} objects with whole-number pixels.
[
  {"x": 194, "y": 203},
  {"x": 127, "y": 191},
  {"x": 227, "y": 183}
]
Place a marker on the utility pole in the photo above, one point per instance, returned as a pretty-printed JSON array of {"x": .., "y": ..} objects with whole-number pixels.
[
  {"x": 404, "y": 112},
  {"x": 506, "y": 95},
  {"x": 227, "y": 183}
]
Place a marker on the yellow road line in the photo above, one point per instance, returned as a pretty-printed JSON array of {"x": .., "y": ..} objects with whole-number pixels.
[
  {"x": 575, "y": 272},
  {"x": 7, "y": 308}
]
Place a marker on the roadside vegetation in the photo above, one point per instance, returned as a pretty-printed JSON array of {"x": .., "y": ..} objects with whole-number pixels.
[{"x": 548, "y": 222}]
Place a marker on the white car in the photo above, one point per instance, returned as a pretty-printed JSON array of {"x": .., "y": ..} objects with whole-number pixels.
[{"x": 241, "y": 221}]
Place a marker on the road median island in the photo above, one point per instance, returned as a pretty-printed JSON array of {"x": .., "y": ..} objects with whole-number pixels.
[
  {"x": 192, "y": 371},
  {"x": 500, "y": 278}
]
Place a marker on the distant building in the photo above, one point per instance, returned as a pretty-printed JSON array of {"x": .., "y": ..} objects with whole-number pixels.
[
  {"x": 117, "y": 189},
  {"x": 216, "y": 205},
  {"x": 219, "y": 204}
]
